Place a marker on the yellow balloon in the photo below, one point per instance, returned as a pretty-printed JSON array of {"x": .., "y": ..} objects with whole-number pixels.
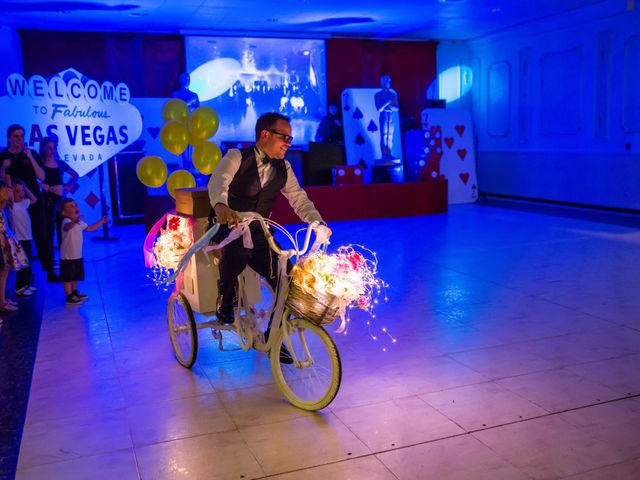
[
  {"x": 193, "y": 140},
  {"x": 151, "y": 171},
  {"x": 203, "y": 122},
  {"x": 180, "y": 179},
  {"x": 174, "y": 137},
  {"x": 176, "y": 110},
  {"x": 206, "y": 156}
]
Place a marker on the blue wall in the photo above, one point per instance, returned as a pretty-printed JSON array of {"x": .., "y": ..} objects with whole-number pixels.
[{"x": 556, "y": 107}]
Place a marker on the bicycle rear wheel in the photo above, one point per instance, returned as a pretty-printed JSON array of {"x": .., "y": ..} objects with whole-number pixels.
[
  {"x": 312, "y": 381},
  {"x": 182, "y": 330}
]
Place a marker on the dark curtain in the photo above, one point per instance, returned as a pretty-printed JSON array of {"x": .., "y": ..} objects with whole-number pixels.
[
  {"x": 353, "y": 63},
  {"x": 149, "y": 64},
  {"x": 47, "y": 53}
]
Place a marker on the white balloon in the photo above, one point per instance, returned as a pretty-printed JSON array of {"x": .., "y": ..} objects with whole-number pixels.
[{"x": 212, "y": 79}]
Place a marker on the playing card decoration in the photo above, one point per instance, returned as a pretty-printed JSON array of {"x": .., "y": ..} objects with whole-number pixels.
[
  {"x": 345, "y": 102},
  {"x": 444, "y": 147},
  {"x": 449, "y": 141},
  {"x": 362, "y": 131}
]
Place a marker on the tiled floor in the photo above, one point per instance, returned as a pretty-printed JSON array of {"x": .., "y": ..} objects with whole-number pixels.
[{"x": 518, "y": 357}]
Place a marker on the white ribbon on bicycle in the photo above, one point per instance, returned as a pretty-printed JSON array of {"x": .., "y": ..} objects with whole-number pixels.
[
  {"x": 241, "y": 230},
  {"x": 322, "y": 238}
]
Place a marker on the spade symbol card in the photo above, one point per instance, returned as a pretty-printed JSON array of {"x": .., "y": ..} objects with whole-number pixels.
[{"x": 362, "y": 132}]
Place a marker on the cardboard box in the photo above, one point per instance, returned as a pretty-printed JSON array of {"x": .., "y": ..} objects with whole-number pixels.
[{"x": 193, "y": 202}]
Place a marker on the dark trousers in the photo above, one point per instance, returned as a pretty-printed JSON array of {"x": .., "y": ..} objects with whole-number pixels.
[
  {"x": 234, "y": 260},
  {"x": 51, "y": 219},
  {"x": 24, "y": 277},
  {"x": 39, "y": 228}
]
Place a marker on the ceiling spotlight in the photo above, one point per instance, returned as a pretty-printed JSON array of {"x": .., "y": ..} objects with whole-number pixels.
[
  {"x": 273, "y": 20},
  {"x": 452, "y": 1}
]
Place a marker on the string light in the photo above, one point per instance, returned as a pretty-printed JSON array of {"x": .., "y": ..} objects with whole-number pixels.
[{"x": 159, "y": 275}]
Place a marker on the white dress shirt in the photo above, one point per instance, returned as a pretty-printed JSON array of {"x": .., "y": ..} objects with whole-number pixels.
[{"x": 223, "y": 175}]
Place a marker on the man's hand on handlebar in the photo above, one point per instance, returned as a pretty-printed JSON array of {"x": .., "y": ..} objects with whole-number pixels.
[
  {"x": 226, "y": 215},
  {"x": 323, "y": 232}
]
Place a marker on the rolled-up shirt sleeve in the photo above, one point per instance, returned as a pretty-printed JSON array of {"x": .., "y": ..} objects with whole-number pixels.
[
  {"x": 298, "y": 199},
  {"x": 218, "y": 185}
]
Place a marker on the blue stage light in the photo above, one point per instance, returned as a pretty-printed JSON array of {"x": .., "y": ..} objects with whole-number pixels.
[{"x": 454, "y": 83}]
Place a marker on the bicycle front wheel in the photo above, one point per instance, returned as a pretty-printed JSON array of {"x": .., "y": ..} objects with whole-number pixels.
[{"x": 312, "y": 381}]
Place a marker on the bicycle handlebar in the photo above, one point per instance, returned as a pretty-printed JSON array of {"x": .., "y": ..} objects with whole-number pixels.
[{"x": 248, "y": 217}]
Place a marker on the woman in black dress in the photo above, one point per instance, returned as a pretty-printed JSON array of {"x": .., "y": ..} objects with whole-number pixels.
[{"x": 53, "y": 186}]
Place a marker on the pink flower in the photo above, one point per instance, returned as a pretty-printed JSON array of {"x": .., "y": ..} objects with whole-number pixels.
[
  {"x": 356, "y": 260},
  {"x": 363, "y": 302}
]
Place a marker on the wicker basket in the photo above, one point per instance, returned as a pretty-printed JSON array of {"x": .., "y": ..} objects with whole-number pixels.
[{"x": 320, "y": 308}]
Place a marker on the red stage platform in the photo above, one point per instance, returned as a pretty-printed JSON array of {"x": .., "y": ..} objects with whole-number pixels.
[
  {"x": 355, "y": 202},
  {"x": 344, "y": 202}
]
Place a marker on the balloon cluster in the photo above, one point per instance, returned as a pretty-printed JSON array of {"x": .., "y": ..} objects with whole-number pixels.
[{"x": 178, "y": 132}]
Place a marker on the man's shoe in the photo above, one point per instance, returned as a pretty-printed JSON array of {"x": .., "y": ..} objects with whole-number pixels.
[
  {"x": 285, "y": 355},
  {"x": 225, "y": 317},
  {"x": 53, "y": 277}
]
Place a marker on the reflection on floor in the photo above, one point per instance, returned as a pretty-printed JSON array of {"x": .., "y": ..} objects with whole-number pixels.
[
  {"x": 517, "y": 357},
  {"x": 19, "y": 333}
]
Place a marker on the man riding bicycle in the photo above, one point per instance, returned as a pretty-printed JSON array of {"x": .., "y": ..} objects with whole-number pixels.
[{"x": 248, "y": 180}]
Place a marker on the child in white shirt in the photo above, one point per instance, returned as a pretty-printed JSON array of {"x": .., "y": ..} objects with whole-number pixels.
[
  {"x": 71, "y": 263},
  {"x": 22, "y": 200},
  {"x": 12, "y": 256}
]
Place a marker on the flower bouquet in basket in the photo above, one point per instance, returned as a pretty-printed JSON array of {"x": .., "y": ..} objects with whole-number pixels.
[{"x": 324, "y": 285}]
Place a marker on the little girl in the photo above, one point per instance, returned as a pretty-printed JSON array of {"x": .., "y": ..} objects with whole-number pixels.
[{"x": 12, "y": 256}]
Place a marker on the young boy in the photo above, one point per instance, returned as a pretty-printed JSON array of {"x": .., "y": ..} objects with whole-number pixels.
[
  {"x": 22, "y": 200},
  {"x": 71, "y": 264}
]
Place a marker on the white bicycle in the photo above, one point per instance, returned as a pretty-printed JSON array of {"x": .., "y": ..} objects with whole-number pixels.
[{"x": 308, "y": 371}]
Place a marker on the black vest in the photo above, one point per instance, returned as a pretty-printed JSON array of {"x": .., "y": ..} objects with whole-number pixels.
[{"x": 245, "y": 192}]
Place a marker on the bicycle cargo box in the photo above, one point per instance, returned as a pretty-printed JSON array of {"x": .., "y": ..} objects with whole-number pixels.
[{"x": 193, "y": 202}]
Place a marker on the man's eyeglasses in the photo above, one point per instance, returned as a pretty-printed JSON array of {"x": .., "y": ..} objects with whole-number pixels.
[{"x": 286, "y": 138}]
